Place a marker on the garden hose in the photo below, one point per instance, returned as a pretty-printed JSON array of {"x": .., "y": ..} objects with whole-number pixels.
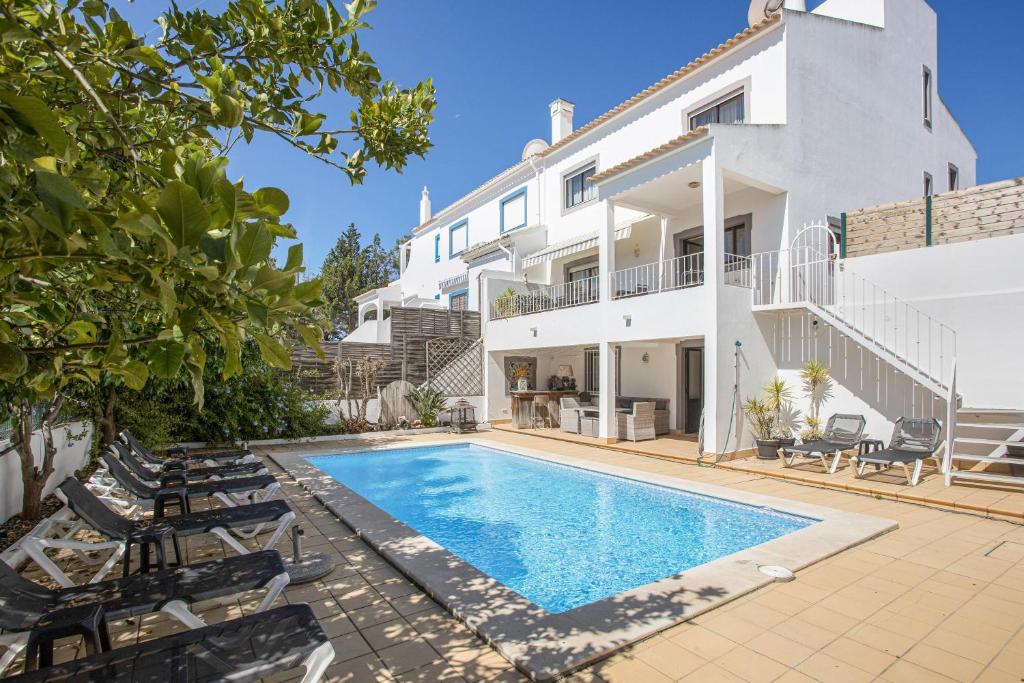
[{"x": 732, "y": 415}]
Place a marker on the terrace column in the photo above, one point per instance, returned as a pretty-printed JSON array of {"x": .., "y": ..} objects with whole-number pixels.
[
  {"x": 717, "y": 384},
  {"x": 663, "y": 252},
  {"x": 606, "y": 252},
  {"x": 607, "y": 430},
  {"x": 380, "y": 311}
]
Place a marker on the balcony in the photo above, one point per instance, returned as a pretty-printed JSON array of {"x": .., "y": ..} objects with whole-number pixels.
[
  {"x": 549, "y": 298},
  {"x": 678, "y": 273}
]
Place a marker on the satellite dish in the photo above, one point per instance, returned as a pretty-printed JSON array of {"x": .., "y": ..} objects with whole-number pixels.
[
  {"x": 762, "y": 9},
  {"x": 535, "y": 146}
]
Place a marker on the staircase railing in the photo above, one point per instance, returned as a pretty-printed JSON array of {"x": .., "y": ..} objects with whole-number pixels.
[
  {"x": 951, "y": 410},
  {"x": 805, "y": 277}
]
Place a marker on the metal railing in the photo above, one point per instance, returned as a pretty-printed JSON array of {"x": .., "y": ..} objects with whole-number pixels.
[
  {"x": 677, "y": 273},
  {"x": 806, "y": 277},
  {"x": 738, "y": 271},
  {"x": 549, "y": 298}
]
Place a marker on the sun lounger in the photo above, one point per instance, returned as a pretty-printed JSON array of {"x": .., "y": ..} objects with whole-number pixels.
[
  {"x": 914, "y": 440},
  {"x": 842, "y": 433},
  {"x": 119, "y": 532},
  {"x": 246, "y": 649},
  {"x": 212, "y": 458},
  {"x": 24, "y": 603},
  {"x": 169, "y": 472},
  {"x": 233, "y": 491}
]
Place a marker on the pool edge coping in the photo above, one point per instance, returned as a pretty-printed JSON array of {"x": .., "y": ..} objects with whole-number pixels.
[{"x": 546, "y": 646}]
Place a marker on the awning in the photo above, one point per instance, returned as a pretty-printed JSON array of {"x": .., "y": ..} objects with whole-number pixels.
[{"x": 587, "y": 240}]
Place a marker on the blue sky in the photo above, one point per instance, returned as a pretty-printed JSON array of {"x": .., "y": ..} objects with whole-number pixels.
[{"x": 497, "y": 65}]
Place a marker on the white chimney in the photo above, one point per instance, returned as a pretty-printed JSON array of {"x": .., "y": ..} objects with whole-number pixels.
[
  {"x": 424, "y": 206},
  {"x": 561, "y": 119}
]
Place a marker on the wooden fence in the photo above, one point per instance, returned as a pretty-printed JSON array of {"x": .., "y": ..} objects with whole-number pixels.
[
  {"x": 975, "y": 213},
  {"x": 405, "y": 357}
]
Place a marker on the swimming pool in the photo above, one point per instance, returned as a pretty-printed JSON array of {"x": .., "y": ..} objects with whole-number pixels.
[{"x": 559, "y": 536}]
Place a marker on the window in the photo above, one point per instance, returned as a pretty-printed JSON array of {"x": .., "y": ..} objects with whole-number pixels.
[
  {"x": 927, "y": 87},
  {"x": 591, "y": 371},
  {"x": 513, "y": 211},
  {"x": 737, "y": 238},
  {"x": 954, "y": 178},
  {"x": 729, "y": 110},
  {"x": 578, "y": 189},
  {"x": 929, "y": 186},
  {"x": 458, "y": 238},
  {"x": 459, "y": 301},
  {"x": 437, "y": 248}
]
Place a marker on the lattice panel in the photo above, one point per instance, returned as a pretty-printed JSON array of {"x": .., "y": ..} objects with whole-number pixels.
[{"x": 455, "y": 366}]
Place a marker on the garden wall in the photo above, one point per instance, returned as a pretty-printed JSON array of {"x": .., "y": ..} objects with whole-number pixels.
[
  {"x": 980, "y": 212},
  {"x": 73, "y": 441}
]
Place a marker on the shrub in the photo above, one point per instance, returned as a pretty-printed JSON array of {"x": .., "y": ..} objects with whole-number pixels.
[{"x": 428, "y": 403}]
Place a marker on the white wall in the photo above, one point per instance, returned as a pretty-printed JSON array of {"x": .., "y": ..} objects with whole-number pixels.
[
  {"x": 977, "y": 289},
  {"x": 72, "y": 440}
]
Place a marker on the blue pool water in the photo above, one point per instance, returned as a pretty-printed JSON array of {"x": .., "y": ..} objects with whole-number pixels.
[{"x": 560, "y": 536}]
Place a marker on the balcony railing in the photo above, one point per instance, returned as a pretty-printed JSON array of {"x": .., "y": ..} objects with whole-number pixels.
[
  {"x": 650, "y": 278},
  {"x": 550, "y": 298},
  {"x": 738, "y": 270}
]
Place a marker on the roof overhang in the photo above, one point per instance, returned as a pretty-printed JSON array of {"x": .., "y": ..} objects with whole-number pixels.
[{"x": 580, "y": 243}]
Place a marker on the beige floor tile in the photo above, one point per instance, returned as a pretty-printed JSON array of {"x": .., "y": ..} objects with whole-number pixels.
[
  {"x": 408, "y": 655},
  {"x": 821, "y": 667},
  {"x": 945, "y": 663},
  {"x": 629, "y": 670},
  {"x": 783, "y": 650},
  {"x": 712, "y": 673},
  {"x": 881, "y": 639},
  {"x": 671, "y": 659},
  {"x": 859, "y": 655},
  {"x": 704, "y": 642},
  {"x": 908, "y": 672},
  {"x": 750, "y": 666}
]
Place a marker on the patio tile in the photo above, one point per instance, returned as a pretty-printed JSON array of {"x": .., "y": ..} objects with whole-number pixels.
[
  {"x": 670, "y": 659},
  {"x": 409, "y": 655},
  {"x": 349, "y": 646},
  {"x": 859, "y": 655},
  {"x": 703, "y": 642},
  {"x": 712, "y": 673},
  {"x": 372, "y": 615},
  {"x": 366, "y": 669},
  {"x": 388, "y": 633},
  {"x": 750, "y": 666},
  {"x": 629, "y": 670},
  {"x": 943, "y": 662},
  {"x": 783, "y": 650},
  {"x": 908, "y": 672},
  {"x": 821, "y": 667},
  {"x": 881, "y": 639}
]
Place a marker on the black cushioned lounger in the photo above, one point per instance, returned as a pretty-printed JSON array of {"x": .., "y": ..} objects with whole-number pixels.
[
  {"x": 245, "y": 649},
  {"x": 217, "y": 456},
  {"x": 245, "y": 521},
  {"x": 914, "y": 440},
  {"x": 170, "y": 473},
  {"x": 842, "y": 433},
  {"x": 256, "y": 488},
  {"x": 24, "y": 602}
]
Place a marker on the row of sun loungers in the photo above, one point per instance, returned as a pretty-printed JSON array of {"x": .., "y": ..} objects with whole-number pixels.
[
  {"x": 257, "y": 645},
  {"x": 913, "y": 441}
]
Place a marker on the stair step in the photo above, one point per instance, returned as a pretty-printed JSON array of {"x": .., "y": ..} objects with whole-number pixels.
[
  {"x": 983, "y": 476},
  {"x": 990, "y": 425},
  {"x": 991, "y": 459},
  {"x": 988, "y": 442},
  {"x": 990, "y": 415}
]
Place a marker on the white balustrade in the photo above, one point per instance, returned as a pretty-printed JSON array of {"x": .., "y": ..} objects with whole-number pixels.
[{"x": 549, "y": 298}]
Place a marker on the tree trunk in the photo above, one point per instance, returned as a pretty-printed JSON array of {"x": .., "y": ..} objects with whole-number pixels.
[
  {"x": 104, "y": 417},
  {"x": 34, "y": 478}
]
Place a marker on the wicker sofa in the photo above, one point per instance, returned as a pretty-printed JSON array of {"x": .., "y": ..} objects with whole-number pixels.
[{"x": 661, "y": 411}]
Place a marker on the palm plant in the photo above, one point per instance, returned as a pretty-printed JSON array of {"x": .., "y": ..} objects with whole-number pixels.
[
  {"x": 762, "y": 419},
  {"x": 428, "y": 402},
  {"x": 779, "y": 401},
  {"x": 817, "y": 384}
]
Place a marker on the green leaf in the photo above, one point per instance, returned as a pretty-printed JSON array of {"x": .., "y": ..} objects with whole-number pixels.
[
  {"x": 228, "y": 112},
  {"x": 311, "y": 336},
  {"x": 13, "y": 363},
  {"x": 294, "y": 257},
  {"x": 272, "y": 201},
  {"x": 84, "y": 332},
  {"x": 54, "y": 187},
  {"x": 257, "y": 312},
  {"x": 183, "y": 212},
  {"x": 165, "y": 357},
  {"x": 134, "y": 373},
  {"x": 273, "y": 352},
  {"x": 37, "y": 115},
  {"x": 307, "y": 124},
  {"x": 254, "y": 245}
]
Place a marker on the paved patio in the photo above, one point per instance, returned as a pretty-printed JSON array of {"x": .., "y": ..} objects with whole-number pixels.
[{"x": 939, "y": 599}]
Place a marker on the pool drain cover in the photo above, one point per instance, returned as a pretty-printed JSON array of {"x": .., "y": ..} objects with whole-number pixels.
[{"x": 778, "y": 573}]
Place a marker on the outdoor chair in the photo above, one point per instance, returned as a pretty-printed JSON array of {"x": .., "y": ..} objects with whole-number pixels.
[
  {"x": 842, "y": 433},
  {"x": 638, "y": 425},
  {"x": 569, "y": 414},
  {"x": 120, "y": 533},
  {"x": 24, "y": 603},
  {"x": 232, "y": 492},
  {"x": 171, "y": 473},
  {"x": 914, "y": 440},
  {"x": 250, "y": 648},
  {"x": 209, "y": 459}
]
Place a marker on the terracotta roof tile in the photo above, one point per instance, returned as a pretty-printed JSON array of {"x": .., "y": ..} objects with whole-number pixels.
[{"x": 672, "y": 144}]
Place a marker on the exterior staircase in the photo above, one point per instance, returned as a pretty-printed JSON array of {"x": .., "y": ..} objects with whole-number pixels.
[{"x": 987, "y": 446}]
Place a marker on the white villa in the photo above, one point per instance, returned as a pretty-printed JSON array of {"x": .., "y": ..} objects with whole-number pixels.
[{"x": 709, "y": 234}]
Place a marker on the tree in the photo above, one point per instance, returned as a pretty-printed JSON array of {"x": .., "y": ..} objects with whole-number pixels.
[
  {"x": 124, "y": 248},
  {"x": 351, "y": 269}
]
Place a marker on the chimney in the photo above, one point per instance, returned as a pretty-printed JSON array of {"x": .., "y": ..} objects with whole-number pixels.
[
  {"x": 424, "y": 206},
  {"x": 561, "y": 119}
]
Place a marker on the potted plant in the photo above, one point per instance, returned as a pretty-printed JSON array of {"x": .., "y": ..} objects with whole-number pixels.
[
  {"x": 762, "y": 425},
  {"x": 521, "y": 376},
  {"x": 779, "y": 401},
  {"x": 817, "y": 384}
]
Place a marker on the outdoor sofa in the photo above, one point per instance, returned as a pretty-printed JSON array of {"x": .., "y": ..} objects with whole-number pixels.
[{"x": 661, "y": 411}]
